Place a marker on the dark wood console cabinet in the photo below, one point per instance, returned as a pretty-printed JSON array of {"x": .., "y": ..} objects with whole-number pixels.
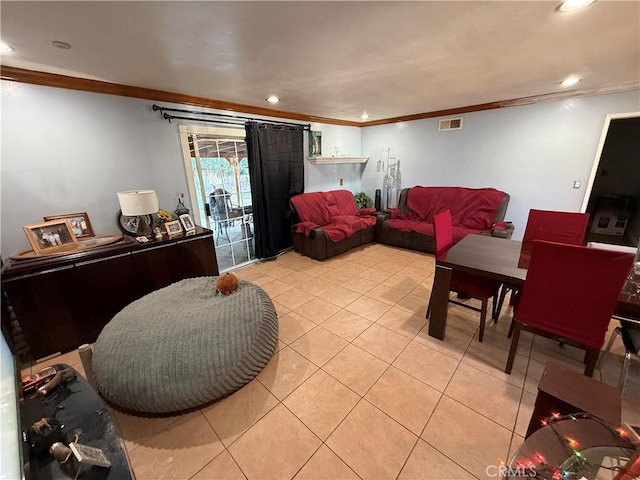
[{"x": 64, "y": 301}]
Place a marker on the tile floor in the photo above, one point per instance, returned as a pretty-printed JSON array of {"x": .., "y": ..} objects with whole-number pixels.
[{"x": 357, "y": 389}]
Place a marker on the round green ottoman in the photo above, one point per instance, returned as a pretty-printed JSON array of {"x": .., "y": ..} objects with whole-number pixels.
[{"x": 183, "y": 346}]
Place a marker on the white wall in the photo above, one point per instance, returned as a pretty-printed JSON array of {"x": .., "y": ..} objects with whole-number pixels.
[
  {"x": 347, "y": 141},
  {"x": 533, "y": 152},
  {"x": 66, "y": 151}
]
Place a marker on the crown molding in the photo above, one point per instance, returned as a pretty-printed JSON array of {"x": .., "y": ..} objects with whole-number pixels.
[
  {"x": 87, "y": 85},
  {"x": 95, "y": 86},
  {"x": 516, "y": 102}
]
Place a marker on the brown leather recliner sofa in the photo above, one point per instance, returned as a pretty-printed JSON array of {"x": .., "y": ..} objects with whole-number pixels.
[
  {"x": 473, "y": 211},
  {"x": 329, "y": 223}
]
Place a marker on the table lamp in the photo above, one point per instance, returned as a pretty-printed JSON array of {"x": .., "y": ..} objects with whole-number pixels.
[{"x": 141, "y": 204}]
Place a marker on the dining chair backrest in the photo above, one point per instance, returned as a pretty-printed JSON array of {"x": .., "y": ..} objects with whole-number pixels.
[
  {"x": 442, "y": 232},
  {"x": 552, "y": 226},
  {"x": 630, "y": 332},
  {"x": 220, "y": 203},
  {"x": 571, "y": 291}
]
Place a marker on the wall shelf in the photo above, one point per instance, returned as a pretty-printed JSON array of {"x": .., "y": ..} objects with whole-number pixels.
[{"x": 339, "y": 159}]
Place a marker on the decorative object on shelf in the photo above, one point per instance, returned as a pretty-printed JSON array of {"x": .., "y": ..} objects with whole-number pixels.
[
  {"x": 138, "y": 205},
  {"x": 127, "y": 225},
  {"x": 80, "y": 223},
  {"x": 173, "y": 228},
  {"x": 163, "y": 217},
  {"x": 362, "y": 200},
  {"x": 392, "y": 183},
  {"x": 51, "y": 237},
  {"x": 158, "y": 233},
  {"x": 187, "y": 222},
  {"x": 315, "y": 143},
  {"x": 384, "y": 159},
  {"x": 181, "y": 209}
]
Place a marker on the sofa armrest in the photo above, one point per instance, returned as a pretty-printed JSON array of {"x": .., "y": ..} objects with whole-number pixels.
[
  {"x": 364, "y": 212},
  {"x": 317, "y": 232},
  {"x": 502, "y": 230},
  {"x": 382, "y": 216}
]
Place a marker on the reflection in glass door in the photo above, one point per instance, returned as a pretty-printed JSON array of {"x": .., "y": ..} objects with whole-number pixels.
[{"x": 218, "y": 176}]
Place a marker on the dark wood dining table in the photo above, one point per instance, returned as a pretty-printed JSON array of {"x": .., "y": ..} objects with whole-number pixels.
[{"x": 497, "y": 258}]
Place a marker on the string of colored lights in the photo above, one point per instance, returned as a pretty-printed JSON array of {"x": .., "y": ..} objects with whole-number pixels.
[{"x": 538, "y": 468}]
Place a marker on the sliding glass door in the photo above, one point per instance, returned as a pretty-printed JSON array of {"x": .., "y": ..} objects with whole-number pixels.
[{"x": 218, "y": 177}]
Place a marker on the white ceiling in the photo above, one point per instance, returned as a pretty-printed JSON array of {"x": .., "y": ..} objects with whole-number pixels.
[{"x": 333, "y": 59}]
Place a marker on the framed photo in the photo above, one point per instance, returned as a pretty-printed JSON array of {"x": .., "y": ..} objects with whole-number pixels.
[
  {"x": 187, "y": 222},
  {"x": 173, "y": 228},
  {"x": 80, "y": 223},
  {"x": 51, "y": 237},
  {"x": 315, "y": 143}
]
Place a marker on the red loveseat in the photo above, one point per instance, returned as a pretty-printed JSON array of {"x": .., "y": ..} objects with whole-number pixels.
[
  {"x": 329, "y": 223},
  {"x": 473, "y": 210}
]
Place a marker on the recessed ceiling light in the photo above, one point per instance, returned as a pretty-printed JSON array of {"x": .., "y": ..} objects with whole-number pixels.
[
  {"x": 4, "y": 48},
  {"x": 273, "y": 99},
  {"x": 570, "y": 81},
  {"x": 59, "y": 44},
  {"x": 572, "y": 5},
  {"x": 364, "y": 116}
]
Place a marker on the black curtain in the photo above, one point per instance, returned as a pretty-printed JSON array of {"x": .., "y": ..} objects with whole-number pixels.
[{"x": 275, "y": 155}]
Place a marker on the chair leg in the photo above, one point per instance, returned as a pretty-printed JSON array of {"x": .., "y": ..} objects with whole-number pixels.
[
  {"x": 503, "y": 293},
  {"x": 591, "y": 358},
  {"x": 514, "y": 347},
  {"x": 429, "y": 307},
  {"x": 605, "y": 352},
  {"x": 494, "y": 307},
  {"x": 623, "y": 374},
  {"x": 511, "y": 327},
  {"x": 514, "y": 294},
  {"x": 483, "y": 318}
]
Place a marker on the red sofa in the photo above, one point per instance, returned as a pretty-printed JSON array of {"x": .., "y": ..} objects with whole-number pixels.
[
  {"x": 473, "y": 210},
  {"x": 329, "y": 223}
]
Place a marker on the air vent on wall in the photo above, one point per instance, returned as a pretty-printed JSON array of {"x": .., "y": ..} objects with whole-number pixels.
[{"x": 450, "y": 124}]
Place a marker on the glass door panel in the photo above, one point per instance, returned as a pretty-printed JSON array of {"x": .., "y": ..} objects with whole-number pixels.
[{"x": 218, "y": 178}]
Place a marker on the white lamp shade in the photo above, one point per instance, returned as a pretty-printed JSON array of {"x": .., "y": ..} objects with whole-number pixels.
[{"x": 138, "y": 202}]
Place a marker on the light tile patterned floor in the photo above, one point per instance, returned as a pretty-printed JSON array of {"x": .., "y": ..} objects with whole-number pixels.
[{"x": 357, "y": 388}]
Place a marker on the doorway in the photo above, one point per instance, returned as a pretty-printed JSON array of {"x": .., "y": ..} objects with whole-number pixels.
[
  {"x": 612, "y": 198},
  {"x": 218, "y": 178}
]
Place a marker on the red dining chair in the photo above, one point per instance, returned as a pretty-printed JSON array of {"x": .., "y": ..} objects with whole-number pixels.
[
  {"x": 552, "y": 226},
  {"x": 570, "y": 295},
  {"x": 461, "y": 282}
]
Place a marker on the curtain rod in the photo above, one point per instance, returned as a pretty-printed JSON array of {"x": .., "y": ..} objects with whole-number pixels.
[{"x": 221, "y": 118}]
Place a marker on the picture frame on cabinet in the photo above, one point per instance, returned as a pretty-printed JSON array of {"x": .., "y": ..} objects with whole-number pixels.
[
  {"x": 51, "y": 237},
  {"x": 173, "y": 228},
  {"x": 187, "y": 222},
  {"x": 80, "y": 223}
]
